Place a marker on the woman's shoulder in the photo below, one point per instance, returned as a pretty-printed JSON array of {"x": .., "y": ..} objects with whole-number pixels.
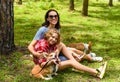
[{"x": 43, "y": 28}]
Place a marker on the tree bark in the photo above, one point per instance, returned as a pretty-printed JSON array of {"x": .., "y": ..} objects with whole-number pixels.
[
  {"x": 6, "y": 26},
  {"x": 19, "y": 2},
  {"x": 37, "y": 0},
  {"x": 110, "y": 3},
  {"x": 85, "y": 8},
  {"x": 71, "y": 7}
]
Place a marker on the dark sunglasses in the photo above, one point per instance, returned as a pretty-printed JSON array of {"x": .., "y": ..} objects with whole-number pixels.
[{"x": 52, "y": 16}]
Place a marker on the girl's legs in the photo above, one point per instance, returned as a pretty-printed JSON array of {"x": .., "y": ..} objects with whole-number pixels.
[
  {"x": 76, "y": 65},
  {"x": 76, "y": 53},
  {"x": 89, "y": 57},
  {"x": 80, "y": 53},
  {"x": 66, "y": 52},
  {"x": 99, "y": 72}
]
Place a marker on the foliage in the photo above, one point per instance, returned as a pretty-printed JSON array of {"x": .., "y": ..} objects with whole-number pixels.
[{"x": 101, "y": 27}]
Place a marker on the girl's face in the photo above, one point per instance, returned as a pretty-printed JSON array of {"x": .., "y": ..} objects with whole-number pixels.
[
  {"x": 53, "y": 39},
  {"x": 52, "y": 18}
]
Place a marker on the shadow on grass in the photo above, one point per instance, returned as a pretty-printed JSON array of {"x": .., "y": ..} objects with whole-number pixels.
[{"x": 107, "y": 13}]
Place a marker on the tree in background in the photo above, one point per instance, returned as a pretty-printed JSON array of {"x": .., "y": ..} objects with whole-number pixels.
[
  {"x": 19, "y": 2},
  {"x": 71, "y": 7},
  {"x": 110, "y": 3},
  {"x": 37, "y": 0},
  {"x": 85, "y": 8},
  {"x": 6, "y": 26}
]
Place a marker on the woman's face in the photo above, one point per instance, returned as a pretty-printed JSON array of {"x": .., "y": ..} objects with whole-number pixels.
[
  {"x": 53, "y": 39},
  {"x": 52, "y": 18}
]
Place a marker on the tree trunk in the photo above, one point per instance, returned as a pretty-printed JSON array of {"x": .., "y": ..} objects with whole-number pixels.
[
  {"x": 85, "y": 8},
  {"x": 71, "y": 7},
  {"x": 37, "y": 0},
  {"x": 19, "y": 2},
  {"x": 6, "y": 26},
  {"x": 110, "y": 3}
]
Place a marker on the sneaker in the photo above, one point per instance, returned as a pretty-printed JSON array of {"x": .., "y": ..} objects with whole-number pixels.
[
  {"x": 99, "y": 59},
  {"x": 101, "y": 70},
  {"x": 92, "y": 54}
]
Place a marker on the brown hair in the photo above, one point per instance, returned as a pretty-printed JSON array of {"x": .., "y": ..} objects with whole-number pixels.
[
  {"x": 50, "y": 32},
  {"x": 46, "y": 23}
]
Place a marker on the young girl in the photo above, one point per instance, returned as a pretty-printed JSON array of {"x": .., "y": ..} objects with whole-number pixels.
[
  {"x": 46, "y": 46},
  {"x": 51, "y": 43}
]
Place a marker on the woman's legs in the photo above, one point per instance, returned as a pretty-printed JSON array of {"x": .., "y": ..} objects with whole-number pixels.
[
  {"x": 89, "y": 57},
  {"x": 73, "y": 63}
]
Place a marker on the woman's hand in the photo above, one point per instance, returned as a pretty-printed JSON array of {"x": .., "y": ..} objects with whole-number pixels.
[{"x": 38, "y": 54}]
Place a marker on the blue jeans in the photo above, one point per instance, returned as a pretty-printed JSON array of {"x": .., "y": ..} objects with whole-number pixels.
[{"x": 62, "y": 57}]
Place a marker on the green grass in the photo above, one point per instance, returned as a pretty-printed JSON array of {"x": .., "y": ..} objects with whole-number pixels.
[{"x": 101, "y": 27}]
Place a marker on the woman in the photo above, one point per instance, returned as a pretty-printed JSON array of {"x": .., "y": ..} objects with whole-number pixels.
[{"x": 52, "y": 21}]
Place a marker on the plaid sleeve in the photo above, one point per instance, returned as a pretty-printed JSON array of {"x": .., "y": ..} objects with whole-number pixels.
[{"x": 41, "y": 46}]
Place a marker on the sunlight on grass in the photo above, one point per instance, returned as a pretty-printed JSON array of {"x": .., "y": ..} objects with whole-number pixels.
[{"x": 101, "y": 27}]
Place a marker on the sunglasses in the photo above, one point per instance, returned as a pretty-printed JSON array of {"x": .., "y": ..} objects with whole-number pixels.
[{"x": 53, "y": 16}]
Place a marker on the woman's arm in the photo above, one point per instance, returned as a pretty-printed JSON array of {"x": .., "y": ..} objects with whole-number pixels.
[{"x": 32, "y": 50}]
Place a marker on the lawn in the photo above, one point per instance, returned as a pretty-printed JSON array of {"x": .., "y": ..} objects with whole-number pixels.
[{"x": 101, "y": 27}]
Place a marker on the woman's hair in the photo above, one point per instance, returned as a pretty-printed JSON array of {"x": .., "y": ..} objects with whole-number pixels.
[
  {"x": 46, "y": 23},
  {"x": 50, "y": 32}
]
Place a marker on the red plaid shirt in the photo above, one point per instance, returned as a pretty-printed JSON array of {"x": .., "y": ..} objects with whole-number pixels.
[{"x": 43, "y": 46}]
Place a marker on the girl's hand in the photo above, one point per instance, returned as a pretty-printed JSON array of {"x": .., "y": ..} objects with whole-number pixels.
[
  {"x": 58, "y": 60},
  {"x": 76, "y": 56},
  {"x": 55, "y": 61}
]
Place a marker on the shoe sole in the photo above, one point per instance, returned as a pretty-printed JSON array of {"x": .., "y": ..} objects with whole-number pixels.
[
  {"x": 103, "y": 70},
  {"x": 98, "y": 60}
]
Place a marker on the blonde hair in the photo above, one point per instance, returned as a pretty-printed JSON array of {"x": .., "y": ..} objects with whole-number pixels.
[{"x": 50, "y": 32}]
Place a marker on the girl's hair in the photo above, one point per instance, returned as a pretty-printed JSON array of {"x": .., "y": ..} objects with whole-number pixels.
[
  {"x": 50, "y": 32},
  {"x": 46, "y": 23}
]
